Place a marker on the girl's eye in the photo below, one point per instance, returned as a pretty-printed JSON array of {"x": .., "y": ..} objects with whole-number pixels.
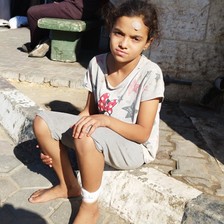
[
  {"x": 136, "y": 39},
  {"x": 117, "y": 33}
]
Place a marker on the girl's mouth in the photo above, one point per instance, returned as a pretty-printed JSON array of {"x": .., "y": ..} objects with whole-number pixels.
[{"x": 120, "y": 52}]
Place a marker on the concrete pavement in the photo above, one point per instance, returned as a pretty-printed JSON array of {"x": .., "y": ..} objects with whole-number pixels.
[{"x": 185, "y": 184}]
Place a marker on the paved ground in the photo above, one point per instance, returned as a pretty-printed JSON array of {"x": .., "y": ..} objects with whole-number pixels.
[{"x": 191, "y": 146}]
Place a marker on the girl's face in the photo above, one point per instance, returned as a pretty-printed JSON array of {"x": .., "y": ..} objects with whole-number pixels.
[{"x": 128, "y": 38}]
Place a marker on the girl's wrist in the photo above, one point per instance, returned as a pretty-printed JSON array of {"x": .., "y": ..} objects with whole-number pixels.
[{"x": 107, "y": 121}]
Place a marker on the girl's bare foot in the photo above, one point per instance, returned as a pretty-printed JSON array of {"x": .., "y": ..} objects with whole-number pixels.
[
  {"x": 88, "y": 213},
  {"x": 44, "y": 195}
]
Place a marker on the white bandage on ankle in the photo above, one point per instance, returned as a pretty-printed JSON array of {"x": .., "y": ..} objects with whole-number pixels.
[{"x": 90, "y": 197}]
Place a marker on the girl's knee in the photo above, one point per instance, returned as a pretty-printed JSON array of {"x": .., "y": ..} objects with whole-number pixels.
[
  {"x": 39, "y": 125},
  {"x": 37, "y": 121},
  {"x": 84, "y": 145}
]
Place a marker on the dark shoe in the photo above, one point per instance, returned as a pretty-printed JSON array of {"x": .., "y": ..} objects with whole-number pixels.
[
  {"x": 26, "y": 48},
  {"x": 40, "y": 50}
]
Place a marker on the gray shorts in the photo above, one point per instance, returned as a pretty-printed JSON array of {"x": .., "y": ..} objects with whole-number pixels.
[{"x": 118, "y": 152}]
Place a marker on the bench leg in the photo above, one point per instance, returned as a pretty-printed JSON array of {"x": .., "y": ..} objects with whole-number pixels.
[{"x": 65, "y": 46}]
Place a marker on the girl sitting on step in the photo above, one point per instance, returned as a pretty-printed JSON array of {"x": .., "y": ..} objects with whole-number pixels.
[{"x": 119, "y": 125}]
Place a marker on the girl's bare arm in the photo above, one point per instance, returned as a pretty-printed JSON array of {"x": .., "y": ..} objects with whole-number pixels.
[
  {"x": 89, "y": 107},
  {"x": 138, "y": 132}
]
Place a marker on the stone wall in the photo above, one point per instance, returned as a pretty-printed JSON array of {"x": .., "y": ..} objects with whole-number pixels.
[{"x": 191, "y": 46}]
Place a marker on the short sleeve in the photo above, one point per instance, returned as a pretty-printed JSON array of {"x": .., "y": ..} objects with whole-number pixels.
[
  {"x": 88, "y": 82},
  {"x": 154, "y": 84}
]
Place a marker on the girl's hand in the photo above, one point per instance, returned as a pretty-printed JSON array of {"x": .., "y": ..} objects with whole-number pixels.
[
  {"x": 87, "y": 125},
  {"x": 47, "y": 160}
]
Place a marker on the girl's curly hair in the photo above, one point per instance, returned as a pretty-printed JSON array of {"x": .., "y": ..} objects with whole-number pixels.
[{"x": 131, "y": 8}]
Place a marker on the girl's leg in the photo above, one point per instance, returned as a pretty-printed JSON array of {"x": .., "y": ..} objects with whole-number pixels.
[
  {"x": 91, "y": 165},
  {"x": 68, "y": 184}
]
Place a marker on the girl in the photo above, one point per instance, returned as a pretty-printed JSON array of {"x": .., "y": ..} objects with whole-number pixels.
[{"x": 120, "y": 122}]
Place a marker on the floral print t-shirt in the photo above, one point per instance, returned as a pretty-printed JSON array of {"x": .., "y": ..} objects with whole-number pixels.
[{"x": 145, "y": 82}]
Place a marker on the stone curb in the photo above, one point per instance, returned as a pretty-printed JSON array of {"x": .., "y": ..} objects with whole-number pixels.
[
  {"x": 16, "y": 112},
  {"x": 144, "y": 194}
]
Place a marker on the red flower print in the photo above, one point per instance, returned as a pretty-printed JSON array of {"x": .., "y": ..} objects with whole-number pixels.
[{"x": 105, "y": 105}]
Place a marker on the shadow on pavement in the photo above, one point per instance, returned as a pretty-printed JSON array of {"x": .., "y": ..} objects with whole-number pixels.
[
  {"x": 75, "y": 204},
  {"x": 9, "y": 214},
  {"x": 29, "y": 155},
  {"x": 62, "y": 106},
  {"x": 202, "y": 126}
]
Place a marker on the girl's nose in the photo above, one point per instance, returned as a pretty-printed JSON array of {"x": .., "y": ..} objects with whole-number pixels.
[{"x": 123, "y": 43}]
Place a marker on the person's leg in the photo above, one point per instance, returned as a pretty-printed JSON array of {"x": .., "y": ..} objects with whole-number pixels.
[
  {"x": 68, "y": 184},
  {"x": 91, "y": 165},
  {"x": 36, "y": 34},
  {"x": 64, "y": 10}
]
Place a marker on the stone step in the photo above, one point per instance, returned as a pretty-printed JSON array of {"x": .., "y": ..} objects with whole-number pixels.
[{"x": 138, "y": 196}]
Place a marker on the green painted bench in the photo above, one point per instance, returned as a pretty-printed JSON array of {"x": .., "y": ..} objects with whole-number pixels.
[{"x": 65, "y": 36}]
